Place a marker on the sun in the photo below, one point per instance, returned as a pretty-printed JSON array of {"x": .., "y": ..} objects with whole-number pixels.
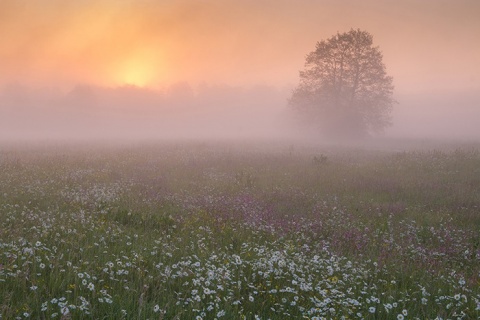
[
  {"x": 136, "y": 73},
  {"x": 140, "y": 70}
]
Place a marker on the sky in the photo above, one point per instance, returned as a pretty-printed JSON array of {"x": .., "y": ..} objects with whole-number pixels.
[{"x": 430, "y": 48}]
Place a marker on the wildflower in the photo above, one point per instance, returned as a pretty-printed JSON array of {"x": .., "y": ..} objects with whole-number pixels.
[
  {"x": 372, "y": 309},
  {"x": 251, "y": 298},
  {"x": 33, "y": 288},
  {"x": 42, "y": 265},
  {"x": 156, "y": 308},
  {"x": 220, "y": 313},
  {"x": 405, "y": 312},
  {"x": 400, "y": 316},
  {"x": 65, "y": 311},
  {"x": 91, "y": 286},
  {"x": 457, "y": 296},
  {"x": 237, "y": 259}
]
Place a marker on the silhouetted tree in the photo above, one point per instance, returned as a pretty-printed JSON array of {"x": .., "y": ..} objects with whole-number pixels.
[{"x": 344, "y": 88}]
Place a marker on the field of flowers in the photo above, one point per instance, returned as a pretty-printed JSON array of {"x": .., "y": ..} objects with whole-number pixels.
[{"x": 210, "y": 231}]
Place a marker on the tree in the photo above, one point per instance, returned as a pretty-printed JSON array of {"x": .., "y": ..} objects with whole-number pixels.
[{"x": 344, "y": 88}]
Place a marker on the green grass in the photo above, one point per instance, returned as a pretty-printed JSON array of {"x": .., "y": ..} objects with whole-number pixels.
[{"x": 179, "y": 231}]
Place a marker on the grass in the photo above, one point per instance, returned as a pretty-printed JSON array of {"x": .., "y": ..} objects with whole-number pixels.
[{"x": 198, "y": 230}]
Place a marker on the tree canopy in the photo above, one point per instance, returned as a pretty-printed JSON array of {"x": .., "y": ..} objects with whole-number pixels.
[{"x": 344, "y": 89}]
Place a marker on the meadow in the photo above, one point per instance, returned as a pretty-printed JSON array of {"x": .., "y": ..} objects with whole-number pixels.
[{"x": 197, "y": 230}]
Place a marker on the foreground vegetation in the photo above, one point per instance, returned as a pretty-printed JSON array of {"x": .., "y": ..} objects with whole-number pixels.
[{"x": 204, "y": 231}]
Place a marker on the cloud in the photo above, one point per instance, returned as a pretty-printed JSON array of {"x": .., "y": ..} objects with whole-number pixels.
[{"x": 236, "y": 42}]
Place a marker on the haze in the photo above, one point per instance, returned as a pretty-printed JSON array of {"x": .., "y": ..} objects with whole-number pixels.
[{"x": 221, "y": 69}]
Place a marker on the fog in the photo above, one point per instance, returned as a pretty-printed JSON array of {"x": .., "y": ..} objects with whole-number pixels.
[
  {"x": 444, "y": 116},
  {"x": 222, "y": 69},
  {"x": 179, "y": 111},
  {"x": 214, "y": 112}
]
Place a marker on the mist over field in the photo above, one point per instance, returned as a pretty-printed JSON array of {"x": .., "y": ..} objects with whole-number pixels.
[
  {"x": 182, "y": 70},
  {"x": 129, "y": 112},
  {"x": 216, "y": 112}
]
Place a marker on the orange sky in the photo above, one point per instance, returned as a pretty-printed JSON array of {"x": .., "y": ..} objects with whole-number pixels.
[{"x": 428, "y": 45}]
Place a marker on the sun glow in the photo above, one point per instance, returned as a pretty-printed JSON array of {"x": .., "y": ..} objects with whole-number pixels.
[
  {"x": 138, "y": 75},
  {"x": 136, "y": 72},
  {"x": 141, "y": 67}
]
